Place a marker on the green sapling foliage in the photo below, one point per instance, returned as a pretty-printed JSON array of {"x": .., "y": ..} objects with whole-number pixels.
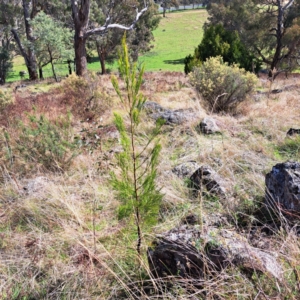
[
  {"x": 48, "y": 144},
  {"x": 140, "y": 198}
]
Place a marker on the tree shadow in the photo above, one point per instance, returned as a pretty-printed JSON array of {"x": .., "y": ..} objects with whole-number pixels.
[{"x": 179, "y": 61}]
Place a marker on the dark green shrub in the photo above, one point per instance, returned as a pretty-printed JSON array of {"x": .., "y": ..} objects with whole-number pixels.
[
  {"x": 221, "y": 86},
  {"x": 190, "y": 62},
  {"x": 50, "y": 145},
  {"x": 220, "y": 42}
]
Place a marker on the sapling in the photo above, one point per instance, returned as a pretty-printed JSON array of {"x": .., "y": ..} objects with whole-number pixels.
[{"x": 140, "y": 198}]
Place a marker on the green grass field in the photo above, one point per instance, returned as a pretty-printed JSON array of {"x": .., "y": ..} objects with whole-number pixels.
[{"x": 176, "y": 37}]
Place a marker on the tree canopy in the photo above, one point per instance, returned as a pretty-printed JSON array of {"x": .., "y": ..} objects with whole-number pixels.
[
  {"x": 268, "y": 28},
  {"x": 33, "y": 35},
  {"x": 218, "y": 41},
  {"x": 52, "y": 42}
]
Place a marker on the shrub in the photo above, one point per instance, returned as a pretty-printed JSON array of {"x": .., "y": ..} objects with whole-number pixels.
[
  {"x": 48, "y": 144},
  {"x": 84, "y": 97},
  {"x": 222, "y": 87},
  {"x": 190, "y": 62},
  {"x": 220, "y": 42}
]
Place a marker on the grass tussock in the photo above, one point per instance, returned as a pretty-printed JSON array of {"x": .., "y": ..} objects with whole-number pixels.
[{"x": 60, "y": 236}]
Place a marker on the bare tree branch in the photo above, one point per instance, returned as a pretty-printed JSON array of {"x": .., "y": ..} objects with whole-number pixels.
[
  {"x": 288, "y": 5},
  {"x": 102, "y": 29}
]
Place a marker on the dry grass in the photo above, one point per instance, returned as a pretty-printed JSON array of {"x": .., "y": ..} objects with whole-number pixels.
[{"x": 60, "y": 236}]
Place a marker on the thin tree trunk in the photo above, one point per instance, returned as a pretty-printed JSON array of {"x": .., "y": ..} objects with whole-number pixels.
[
  {"x": 2, "y": 79},
  {"x": 53, "y": 71},
  {"x": 102, "y": 56},
  {"x": 41, "y": 73},
  {"x": 102, "y": 62},
  {"x": 52, "y": 65},
  {"x": 279, "y": 34},
  {"x": 31, "y": 58},
  {"x": 69, "y": 66}
]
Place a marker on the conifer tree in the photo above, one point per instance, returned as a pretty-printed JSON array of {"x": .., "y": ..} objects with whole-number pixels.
[{"x": 140, "y": 198}]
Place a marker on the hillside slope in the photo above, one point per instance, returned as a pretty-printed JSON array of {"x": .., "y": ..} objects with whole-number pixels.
[{"x": 60, "y": 235}]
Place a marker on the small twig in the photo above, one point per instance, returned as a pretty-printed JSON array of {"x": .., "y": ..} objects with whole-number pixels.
[{"x": 212, "y": 110}]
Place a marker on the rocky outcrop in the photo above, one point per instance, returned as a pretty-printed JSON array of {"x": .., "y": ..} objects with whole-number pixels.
[
  {"x": 208, "y": 126},
  {"x": 189, "y": 253},
  {"x": 206, "y": 177},
  {"x": 283, "y": 186},
  {"x": 152, "y": 107},
  {"x": 186, "y": 169},
  {"x": 170, "y": 116}
]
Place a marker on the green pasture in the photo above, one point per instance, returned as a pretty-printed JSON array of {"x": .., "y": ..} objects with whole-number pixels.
[{"x": 177, "y": 36}]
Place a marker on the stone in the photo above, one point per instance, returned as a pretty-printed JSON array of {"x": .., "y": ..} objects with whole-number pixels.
[
  {"x": 208, "y": 126},
  {"x": 35, "y": 185},
  {"x": 211, "y": 180},
  {"x": 186, "y": 169},
  {"x": 283, "y": 186},
  {"x": 176, "y": 117},
  {"x": 276, "y": 91},
  {"x": 293, "y": 131},
  {"x": 190, "y": 253},
  {"x": 170, "y": 116},
  {"x": 153, "y": 107}
]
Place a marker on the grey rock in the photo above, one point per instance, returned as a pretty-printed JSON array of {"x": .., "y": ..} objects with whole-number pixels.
[
  {"x": 36, "y": 184},
  {"x": 208, "y": 126},
  {"x": 188, "y": 252},
  {"x": 283, "y": 186},
  {"x": 215, "y": 220},
  {"x": 211, "y": 180},
  {"x": 176, "y": 117},
  {"x": 170, "y": 116},
  {"x": 186, "y": 169},
  {"x": 153, "y": 107}
]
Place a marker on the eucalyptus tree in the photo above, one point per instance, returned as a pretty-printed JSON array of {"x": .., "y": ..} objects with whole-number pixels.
[
  {"x": 138, "y": 39},
  {"x": 29, "y": 11},
  {"x": 8, "y": 11},
  {"x": 167, "y": 4},
  {"x": 84, "y": 29},
  {"x": 52, "y": 42},
  {"x": 16, "y": 17},
  {"x": 6, "y": 46},
  {"x": 269, "y": 28}
]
